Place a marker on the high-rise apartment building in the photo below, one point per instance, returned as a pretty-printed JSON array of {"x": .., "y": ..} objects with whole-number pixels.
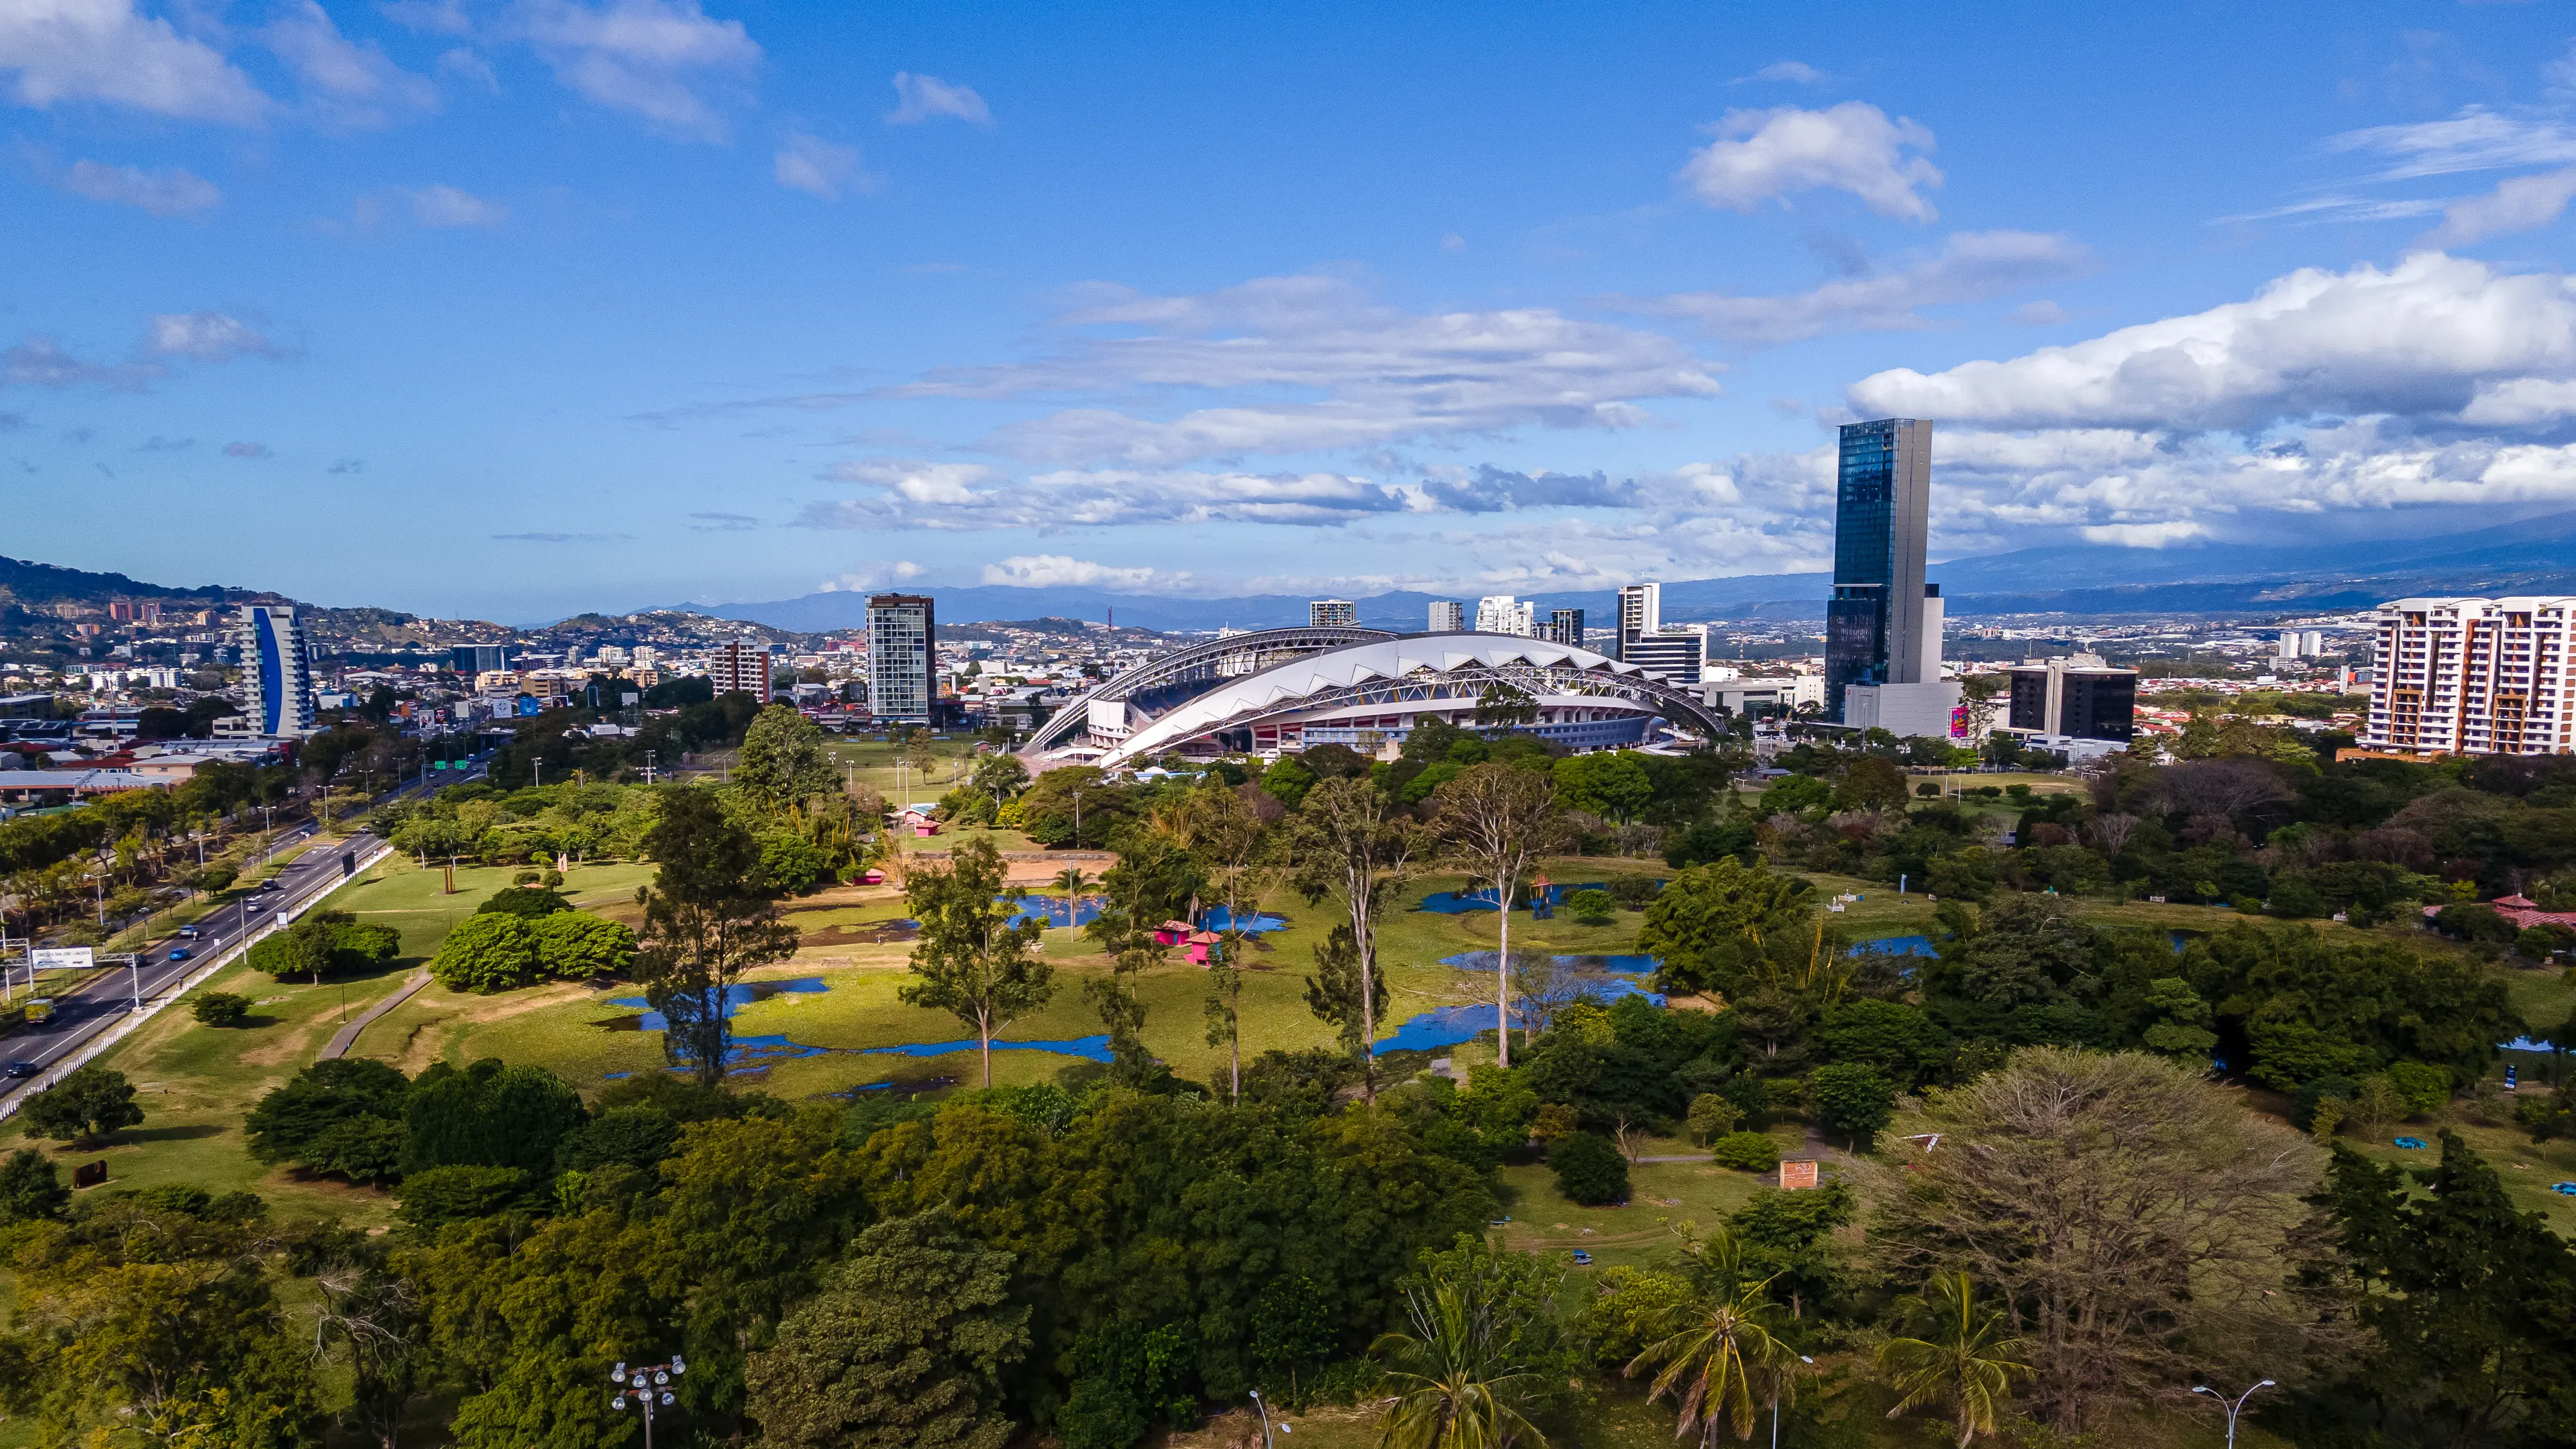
[
  {"x": 473, "y": 659},
  {"x": 1882, "y": 499},
  {"x": 1641, "y": 611},
  {"x": 1321, "y": 613},
  {"x": 901, "y": 686},
  {"x": 740, "y": 667},
  {"x": 277, "y": 671},
  {"x": 1565, "y": 626},
  {"x": 2473, "y": 677},
  {"x": 1503, "y": 614},
  {"x": 1673, "y": 651},
  {"x": 1448, "y": 616}
]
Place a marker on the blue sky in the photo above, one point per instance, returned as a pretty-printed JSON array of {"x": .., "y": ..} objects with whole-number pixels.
[{"x": 518, "y": 307}]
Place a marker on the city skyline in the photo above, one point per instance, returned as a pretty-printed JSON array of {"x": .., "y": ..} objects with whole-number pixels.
[{"x": 614, "y": 303}]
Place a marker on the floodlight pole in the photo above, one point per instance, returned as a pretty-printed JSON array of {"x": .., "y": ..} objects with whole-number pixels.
[
  {"x": 650, "y": 1384},
  {"x": 2233, "y": 1408}
]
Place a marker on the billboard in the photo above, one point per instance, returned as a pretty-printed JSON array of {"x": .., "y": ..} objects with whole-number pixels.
[
  {"x": 1798, "y": 1172},
  {"x": 63, "y": 958}
]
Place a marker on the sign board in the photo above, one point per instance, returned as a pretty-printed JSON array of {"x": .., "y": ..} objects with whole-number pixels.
[
  {"x": 63, "y": 958},
  {"x": 1798, "y": 1172}
]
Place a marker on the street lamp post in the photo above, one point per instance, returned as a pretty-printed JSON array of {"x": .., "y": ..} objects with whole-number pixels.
[
  {"x": 2233, "y": 1408},
  {"x": 1775, "y": 1405},
  {"x": 1267, "y": 1442},
  {"x": 650, "y": 1386}
]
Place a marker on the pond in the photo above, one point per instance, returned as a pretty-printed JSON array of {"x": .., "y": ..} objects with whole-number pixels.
[
  {"x": 1217, "y": 918},
  {"x": 1622, "y": 965},
  {"x": 1055, "y": 911},
  {"x": 751, "y": 1053},
  {"x": 1897, "y": 946},
  {"x": 1456, "y": 903}
]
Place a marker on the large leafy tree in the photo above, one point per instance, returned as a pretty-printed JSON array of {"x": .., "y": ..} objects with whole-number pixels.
[
  {"x": 1717, "y": 926},
  {"x": 343, "y": 1117},
  {"x": 86, "y": 1107},
  {"x": 784, "y": 761},
  {"x": 490, "y": 951},
  {"x": 1497, "y": 820},
  {"x": 975, "y": 958},
  {"x": 704, "y": 926},
  {"x": 907, "y": 1343}
]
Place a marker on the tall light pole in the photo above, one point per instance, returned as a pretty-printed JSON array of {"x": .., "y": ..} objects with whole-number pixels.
[
  {"x": 1077, "y": 820},
  {"x": 1264, "y": 1409},
  {"x": 1775, "y": 1405},
  {"x": 2233, "y": 1408},
  {"x": 650, "y": 1386}
]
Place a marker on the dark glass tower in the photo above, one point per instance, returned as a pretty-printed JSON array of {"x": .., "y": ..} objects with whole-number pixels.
[{"x": 1882, "y": 496}]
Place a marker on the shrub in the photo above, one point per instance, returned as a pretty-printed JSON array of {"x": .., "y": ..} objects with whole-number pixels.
[
  {"x": 2424, "y": 1088},
  {"x": 1633, "y": 892},
  {"x": 1746, "y": 1152},
  {"x": 1852, "y": 1098},
  {"x": 221, "y": 1008},
  {"x": 1712, "y": 1117},
  {"x": 88, "y": 1106},
  {"x": 1592, "y": 908},
  {"x": 459, "y": 1194},
  {"x": 1589, "y": 1169},
  {"x": 2303, "y": 1105},
  {"x": 487, "y": 952},
  {"x": 342, "y": 1117},
  {"x": 528, "y": 902},
  {"x": 30, "y": 1188},
  {"x": 215, "y": 878}
]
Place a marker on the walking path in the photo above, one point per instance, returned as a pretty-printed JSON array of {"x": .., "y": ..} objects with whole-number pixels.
[{"x": 347, "y": 1036}]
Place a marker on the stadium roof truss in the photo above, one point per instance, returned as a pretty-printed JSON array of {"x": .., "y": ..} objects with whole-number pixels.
[{"x": 1208, "y": 663}]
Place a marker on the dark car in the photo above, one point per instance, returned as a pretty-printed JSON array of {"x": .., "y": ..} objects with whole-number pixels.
[
  {"x": 22, "y": 1069},
  {"x": 269, "y": 885}
]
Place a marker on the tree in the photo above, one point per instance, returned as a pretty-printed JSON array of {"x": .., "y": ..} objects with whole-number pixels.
[
  {"x": 1455, "y": 1378},
  {"x": 530, "y": 903},
  {"x": 1341, "y": 996},
  {"x": 975, "y": 959},
  {"x": 1963, "y": 1358},
  {"x": 578, "y": 946},
  {"x": 1352, "y": 845},
  {"x": 1714, "y": 924},
  {"x": 343, "y": 1116},
  {"x": 30, "y": 1188},
  {"x": 85, "y": 1108},
  {"x": 1719, "y": 1351},
  {"x": 1712, "y": 1117},
  {"x": 221, "y": 1008},
  {"x": 488, "y": 1115},
  {"x": 1497, "y": 819},
  {"x": 1589, "y": 1169},
  {"x": 2472, "y": 1305},
  {"x": 784, "y": 761},
  {"x": 487, "y": 952},
  {"x": 2182, "y": 1028},
  {"x": 1220, "y": 828},
  {"x": 704, "y": 926},
  {"x": 909, "y": 1341},
  {"x": 1504, "y": 707},
  {"x": 1852, "y": 1098},
  {"x": 2133, "y": 1218}
]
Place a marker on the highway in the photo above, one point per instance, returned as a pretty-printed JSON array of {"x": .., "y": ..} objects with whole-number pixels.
[{"x": 109, "y": 996}]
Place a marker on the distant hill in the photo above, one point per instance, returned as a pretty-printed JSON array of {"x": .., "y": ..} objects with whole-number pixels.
[{"x": 38, "y": 583}]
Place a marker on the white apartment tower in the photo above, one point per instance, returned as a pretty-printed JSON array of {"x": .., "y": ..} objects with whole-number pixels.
[
  {"x": 1503, "y": 614},
  {"x": 2472, "y": 677},
  {"x": 1641, "y": 612},
  {"x": 1448, "y": 616},
  {"x": 1327, "y": 613}
]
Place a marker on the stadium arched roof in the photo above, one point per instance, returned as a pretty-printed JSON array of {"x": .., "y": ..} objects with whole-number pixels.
[
  {"x": 1197, "y": 666},
  {"x": 1415, "y": 669}
]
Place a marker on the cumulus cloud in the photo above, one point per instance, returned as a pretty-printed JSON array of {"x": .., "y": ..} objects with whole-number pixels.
[
  {"x": 167, "y": 192},
  {"x": 1767, "y": 155},
  {"x": 871, "y": 576},
  {"x": 659, "y": 59},
  {"x": 920, "y": 98},
  {"x": 448, "y": 206},
  {"x": 2425, "y": 338},
  {"x": 43, "y": 362},
  {"x": 103, "y": 51},
  {"x": 1045, "y": 570},
  {"x": 206, "y": 337},
  {"x": 1970, "y": 267},
  {"x": 2143, "y": 535},
  {"x": 1797, "y": 72},
  {"x": 346, "y": 84},
  {"x": 951, "y": 497},
  {"x": 2519, "y": 203},
  {"x": 810, "y": 163},
  {"x": 246, "y": 450},
  {"x": 1382, "y": 375}
]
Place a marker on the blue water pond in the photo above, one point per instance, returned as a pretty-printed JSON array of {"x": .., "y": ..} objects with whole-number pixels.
[
  {"x": 1458, "y": 903},
  {"x": 1057, "y": 911},
  {"x": 1218, "y": 918},
  {"x": 1897, "y": 946},
  {"x": 1622, "y": 965}
]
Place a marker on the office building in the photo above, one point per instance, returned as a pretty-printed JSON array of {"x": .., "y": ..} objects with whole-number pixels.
[
  {"x": 1565, "y": 626},
  {"x": 1448, "y": 616},
  {"x": 1503, "y": 614},
  {"x": 1673, "y": 651},
  {"x": 277, "y": 671},
  {"x": 1882, "y": 498},
  {"x": 1321, "y": 613},
  {"x": 1927, "y": 711},
  {"x": 2472, "y": 677},
  {"x": 902, "y": 687},
  {"x": 2077, "y": 697},
  {"x": 741, "y": 667},
  {"x": 1641, "y": 610},
  {"x": 470, "y": 659}
]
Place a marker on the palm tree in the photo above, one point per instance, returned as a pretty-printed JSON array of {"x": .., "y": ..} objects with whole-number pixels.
[
  {"x": 1961, "y": 1359},
  {"x": 1721, "y": 1351},
  {"x": 1454, "y": 1378},
  {"x": 1072, "y": 881}
]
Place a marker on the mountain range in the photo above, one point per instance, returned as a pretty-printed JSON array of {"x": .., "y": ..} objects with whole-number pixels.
[{"x": 2534, "y": 556}]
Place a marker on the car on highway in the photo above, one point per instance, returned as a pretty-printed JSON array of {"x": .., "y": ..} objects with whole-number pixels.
[
  {"x": 187, "y": 933},
  {"x": 22, "y": 1070},
  {"x": 269, "y": 885},
  {"x": 254, "y": 907},
  {"x": 178, "y": 953}
]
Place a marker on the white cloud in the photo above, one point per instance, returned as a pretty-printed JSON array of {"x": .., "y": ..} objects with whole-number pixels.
[
  {"x": 810, "y": 163},
  {"x": 43, "y": 362},
  {"x": 2519, "y": 203},
  {"x": 1764, "y": 156},
  {"x": 347, "y": 84},
  {"x": 2422, "y": 339},
  {"x": 2143, "y": 535},
  {"x": 206, "y": 337},
  {"x": 1970, "y": 267},
  {"x": 1380, "y": 375},
  {"x": 956, "y": 497},
  {"x": 920, "y": 98},
  {"x": 2042, "y": 313},
  {"x": 246, "y": 450},
  {"x": 1795, "y": 71},
  {"x": 101, "y": 50},
  {"x": 447, "y": 206},
  {"x": 167, "y": 192},
  {"x": 1046, "y": 570},
  {"x": 871, "y": 576},
  {"x": 466, "y": 65},
  {"x": 2476, "y": 139},
  {"x": 651, "y": 58}
]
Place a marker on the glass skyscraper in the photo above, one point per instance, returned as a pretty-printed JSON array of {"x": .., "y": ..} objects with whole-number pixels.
[{"x": 1882, "y": 497}]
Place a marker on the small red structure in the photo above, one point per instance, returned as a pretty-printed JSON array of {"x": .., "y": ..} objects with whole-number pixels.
[
  {"x": 1171, "y": 933},
  {"x": 918, "y": 821},
  {"x": 2523, "y": 911},
  {"x": 872, "y": 876}
]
